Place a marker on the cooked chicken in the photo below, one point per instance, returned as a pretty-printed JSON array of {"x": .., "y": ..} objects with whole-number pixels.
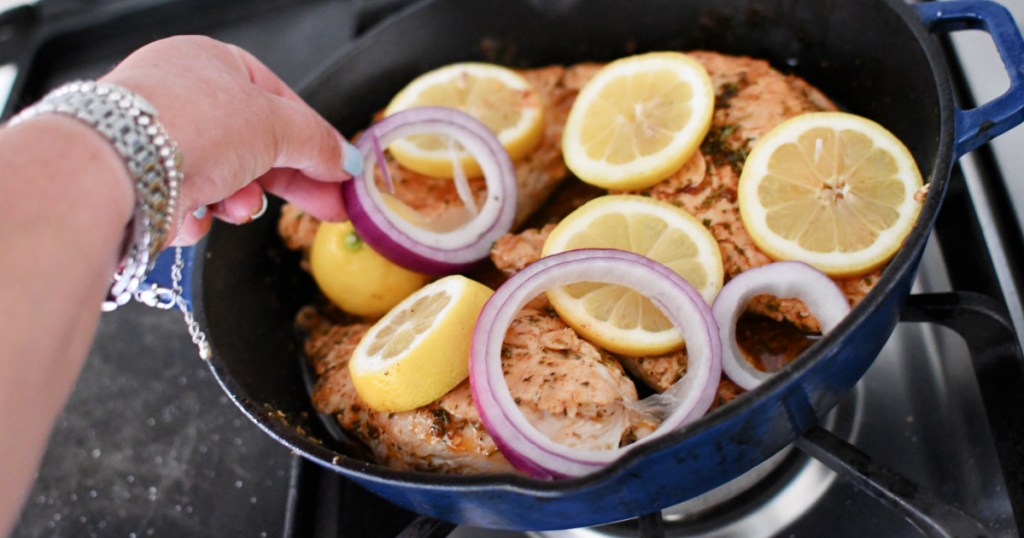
[
  {"x": 751, "y": 99},
  {"x": 565, "y": 386},
  {"x": 727, "y": 392},
  {"x": 445, "y": 436},
  {"x": 297, "y": 229},
  {"x": 537, "y": 174},
  {"x": 514, "y": 251},
  {"x": 570, "y": 390}
]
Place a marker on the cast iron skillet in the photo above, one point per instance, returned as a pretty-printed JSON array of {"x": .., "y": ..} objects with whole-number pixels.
[{"x": 874, "y": 57}]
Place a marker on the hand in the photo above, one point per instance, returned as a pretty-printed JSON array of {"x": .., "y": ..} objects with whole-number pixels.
[{"x": 241, "y": 131}]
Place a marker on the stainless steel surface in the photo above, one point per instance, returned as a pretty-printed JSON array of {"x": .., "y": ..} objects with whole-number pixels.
[{"x": 986, "y": 80}]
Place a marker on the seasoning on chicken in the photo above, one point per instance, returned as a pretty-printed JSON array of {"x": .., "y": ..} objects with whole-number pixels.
[
  {"x": 751, "y": 99},
  {"x": 297, "y": 229},
  {"x": 445, "y": 436},
  {"x": 568, "y": 388},
  {"x": 537, "y": 174},
  {"x": 571, "y": 390},
  {"x": 514, "y": 251}
]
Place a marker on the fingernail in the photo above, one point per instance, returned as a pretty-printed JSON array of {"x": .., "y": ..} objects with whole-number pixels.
[
  {"x": 199, "y": 213},
  {"x": 259, "y": 212},
  {"x": 353, "y": 159}
]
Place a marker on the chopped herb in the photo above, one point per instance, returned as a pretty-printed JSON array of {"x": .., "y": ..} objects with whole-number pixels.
[
  {"x": 441, "y": 421},
  {"x": 729, "y": 90}
]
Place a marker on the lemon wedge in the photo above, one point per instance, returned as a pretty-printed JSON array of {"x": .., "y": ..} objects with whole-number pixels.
[
  {"x": 831, "y": 189},
  {"x": 355, "y": 277},
  {"x": 420, "y": 350},
  {"x": 617, "y": 318},
  {"x": 499, "y": 97},
  {"x": 638, "y": 120}
]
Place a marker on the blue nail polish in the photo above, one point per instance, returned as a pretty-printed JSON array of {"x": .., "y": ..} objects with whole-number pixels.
[
  {"x": 199, "y": 213},
  {"x": 353, "y": 159}
]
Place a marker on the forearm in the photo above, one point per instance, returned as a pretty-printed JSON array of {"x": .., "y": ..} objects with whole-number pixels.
[{"x": 65, "y": 200}]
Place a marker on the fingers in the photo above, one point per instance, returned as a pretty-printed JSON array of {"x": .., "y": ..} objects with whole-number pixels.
[
  {"x": 305, "y": 141},
  {"x": 318, "y": 198},
  {"x": 193, "y": 228},
  {"x": 263, "y": 130},
  {"x": 245, "y": 205}
]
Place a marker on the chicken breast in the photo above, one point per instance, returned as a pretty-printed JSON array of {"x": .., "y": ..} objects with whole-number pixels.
[
  {"x": 751, "y": 99},
  {"x": 513, "y": 252},
  {"x": 565, "y": 386},
  {"x": 435, "y": 200},
  {"x": 570, "y": 390},
  {"x": 445, "y": 436}
]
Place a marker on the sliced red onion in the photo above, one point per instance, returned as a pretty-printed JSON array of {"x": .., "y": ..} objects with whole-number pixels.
[
  {"x": 422, "y": 249},
  {"x": 460, "y": 179},
  {"x": 378, "y": 153},
  {"x": 526, "y": 447},
  {"x": 797, "y": 280}
]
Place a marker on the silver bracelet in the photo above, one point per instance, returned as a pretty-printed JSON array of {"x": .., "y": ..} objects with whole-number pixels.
[{"x": 152, "y": 159}]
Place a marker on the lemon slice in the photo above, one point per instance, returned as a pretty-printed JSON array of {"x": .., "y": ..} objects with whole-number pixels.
[
  {"x": 834, "y": 190},
  {"x": 355, "y": 277},
  {"x": 617, "y": 318},
  {"x": 420, "y": 350},
  {"x": 497, "y": 96},
  {"x": 638, "y": 120}
]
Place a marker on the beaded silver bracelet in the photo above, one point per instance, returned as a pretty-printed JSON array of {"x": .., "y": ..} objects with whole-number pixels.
[{"x": 151, "y": 157}]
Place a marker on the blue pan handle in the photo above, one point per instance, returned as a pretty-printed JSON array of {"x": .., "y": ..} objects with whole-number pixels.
[{"x": 979, "y": 125}]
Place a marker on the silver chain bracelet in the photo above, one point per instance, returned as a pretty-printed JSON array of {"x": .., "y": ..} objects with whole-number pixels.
[
  {"x": 166, "y": 299},
  {"x": 151, "y": 157}
]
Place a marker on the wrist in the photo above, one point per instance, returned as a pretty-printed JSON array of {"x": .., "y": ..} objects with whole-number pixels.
[
  {"x": 130, "y": 125},
  {"x": 84, "y": 154}
]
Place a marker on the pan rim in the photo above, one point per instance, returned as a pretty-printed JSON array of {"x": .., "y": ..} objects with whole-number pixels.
[{"x": 773, "y": 389}]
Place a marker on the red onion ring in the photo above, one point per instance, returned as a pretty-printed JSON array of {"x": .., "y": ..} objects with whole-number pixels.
[
  {"x": 421, "y": 249},
  {"x": 523, "y": 444},
  {"x": 782, "y": 279}
]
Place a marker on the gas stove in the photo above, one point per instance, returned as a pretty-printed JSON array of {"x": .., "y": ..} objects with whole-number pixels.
[{"x": 148, "y": 444}]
